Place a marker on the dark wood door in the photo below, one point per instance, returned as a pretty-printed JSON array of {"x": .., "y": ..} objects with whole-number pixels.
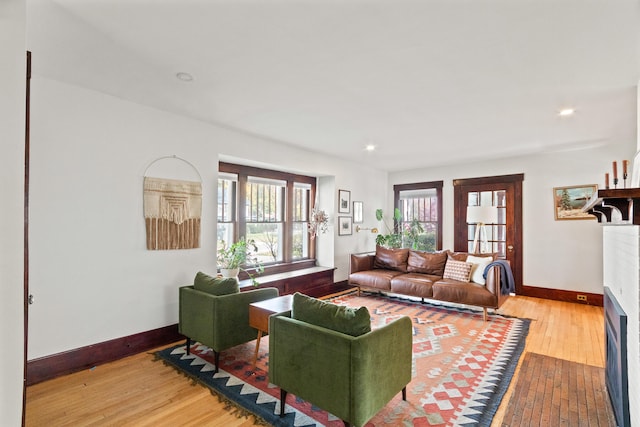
[{"x": 505, "y": 235}]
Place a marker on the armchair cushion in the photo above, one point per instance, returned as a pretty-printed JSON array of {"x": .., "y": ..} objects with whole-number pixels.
[
  {"x": 215, "y": 285},
  {"x": 347, "y": 320}
]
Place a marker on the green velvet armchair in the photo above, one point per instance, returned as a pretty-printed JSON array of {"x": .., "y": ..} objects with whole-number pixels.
[
  {"x": 349, "y": 377},
  {"x": 219, "y": 322}
]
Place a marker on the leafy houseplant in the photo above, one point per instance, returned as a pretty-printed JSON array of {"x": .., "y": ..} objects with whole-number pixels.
[
  {"x": 392, "y": 239},
  {"x": 412, "y": 235},
  {"x": 237, "y": 255}
]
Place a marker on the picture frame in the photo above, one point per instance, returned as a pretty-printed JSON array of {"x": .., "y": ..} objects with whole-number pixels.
[
  {"x": 344, "y": 226},
  {"x": 344, "y": 201},
  {"x": 569, "y": 201},
  {"x": 357, "y": 212}
]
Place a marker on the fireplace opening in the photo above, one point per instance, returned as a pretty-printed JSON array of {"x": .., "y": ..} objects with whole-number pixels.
[{"x": 616, "y": 372}]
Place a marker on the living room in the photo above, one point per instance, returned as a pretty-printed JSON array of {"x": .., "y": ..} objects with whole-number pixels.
[{"x": 89, "y": 271}]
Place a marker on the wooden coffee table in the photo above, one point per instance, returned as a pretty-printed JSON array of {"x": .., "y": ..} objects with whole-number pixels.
[{"x": 259, "y": 313}]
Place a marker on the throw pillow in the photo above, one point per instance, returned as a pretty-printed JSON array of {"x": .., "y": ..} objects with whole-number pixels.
[
  {"x": 215, "y": 285},
  {"x": 427, "y": 262},
  {"x": 457, "y": 270},
  {"x": 479, "y": 264},
  {"x": 391, "y": 259},
  {"x": 347, "y": 320}
]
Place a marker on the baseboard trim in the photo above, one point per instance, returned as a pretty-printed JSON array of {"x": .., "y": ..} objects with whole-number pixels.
[
  {"x": 48, "y": 367},
  {"x": 562, "y": 295}
]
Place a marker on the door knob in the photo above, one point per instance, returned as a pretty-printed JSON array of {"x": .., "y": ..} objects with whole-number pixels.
[{"x": 510, "y": 248}]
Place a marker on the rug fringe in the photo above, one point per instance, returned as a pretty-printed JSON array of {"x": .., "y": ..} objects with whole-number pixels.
[{"x": 229, "y": 405}]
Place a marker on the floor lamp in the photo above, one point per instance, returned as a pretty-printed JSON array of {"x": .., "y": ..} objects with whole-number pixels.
[{"x": 481, "y": 215}]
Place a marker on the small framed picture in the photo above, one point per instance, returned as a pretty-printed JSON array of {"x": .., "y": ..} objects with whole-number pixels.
[
  {"x": 569, "y": 201},
  {"x": 357, "y": 212},
  {"x": 344, "y": 226},
  {"x": 344, "y": 201}
]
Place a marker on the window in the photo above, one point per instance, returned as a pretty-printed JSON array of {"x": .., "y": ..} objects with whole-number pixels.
[
  {"x": 420, "y": 205},
  {"x": 270, "y": 207}
]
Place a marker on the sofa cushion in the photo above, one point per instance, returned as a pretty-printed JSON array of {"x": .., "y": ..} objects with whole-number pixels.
[
  {"x": 414, "y": 284},
  {"x": 427, "y": 262},
  {"x": 457, "y": 270},
  {"x": 391, "y": 259},
  {"x": 215, "y": 285},
  {"x": 347, "y": 320},
  {"x": 479, "y": 264}
]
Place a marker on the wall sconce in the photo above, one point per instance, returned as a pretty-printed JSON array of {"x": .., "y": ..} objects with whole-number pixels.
[{"x": 359, "y": 229}]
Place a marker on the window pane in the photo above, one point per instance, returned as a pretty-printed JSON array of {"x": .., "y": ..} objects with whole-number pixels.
[
  {"x": 264, "y": 202},
  {"x": 225, "y": 232},
  {"x": 268, "y": 238},
  {"x": 300, "y": 240},
  {"x": 226, "y": 198}
]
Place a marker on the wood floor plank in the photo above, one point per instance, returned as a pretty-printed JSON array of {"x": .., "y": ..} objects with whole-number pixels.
[{"x": 137, "y": 391}]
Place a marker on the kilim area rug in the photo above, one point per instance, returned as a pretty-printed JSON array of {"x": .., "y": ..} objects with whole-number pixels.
[
  {"x": 461, "y": 368},
  {"x": 557, "y": 392}
]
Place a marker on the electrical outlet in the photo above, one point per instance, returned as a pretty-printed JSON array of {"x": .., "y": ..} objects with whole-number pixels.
[{"x": 582, "y": 297}]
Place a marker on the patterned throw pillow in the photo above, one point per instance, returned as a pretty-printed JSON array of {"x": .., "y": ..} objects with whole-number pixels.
[{"x": 457, "y": 270}]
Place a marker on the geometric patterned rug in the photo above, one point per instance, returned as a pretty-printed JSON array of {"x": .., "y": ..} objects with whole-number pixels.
[{"x": 461, "y": 368}]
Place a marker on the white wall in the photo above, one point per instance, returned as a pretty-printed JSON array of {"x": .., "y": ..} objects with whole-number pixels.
[
  {"x": 92, "y": 277},
  {"x": 12, "y": 108},
  {"x": 557, "y": 254}
]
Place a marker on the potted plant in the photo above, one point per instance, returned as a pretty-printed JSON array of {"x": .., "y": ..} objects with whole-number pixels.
[{"x": 232, "y": 259}]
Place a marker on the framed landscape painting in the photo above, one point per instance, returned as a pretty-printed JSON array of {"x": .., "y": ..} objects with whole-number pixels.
[{"x": 569, "y": 201}]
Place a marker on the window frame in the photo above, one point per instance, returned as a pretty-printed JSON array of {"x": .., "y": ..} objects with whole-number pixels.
[
  {"x": 243, "y": 172},
  {"x": 430, "y": 185}
]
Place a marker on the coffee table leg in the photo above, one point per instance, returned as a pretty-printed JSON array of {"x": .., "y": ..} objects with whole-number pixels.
[{"x": 255, "y": 356}]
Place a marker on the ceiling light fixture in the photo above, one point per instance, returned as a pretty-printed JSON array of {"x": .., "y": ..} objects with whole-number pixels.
[
  {"x": 566, "y": 112},
  {"x": 370, "y": 148},
  {"x": 185, "y": 77}
]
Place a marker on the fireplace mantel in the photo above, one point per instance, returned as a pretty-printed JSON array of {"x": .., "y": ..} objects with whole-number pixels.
[{"x": 604, "y": 203}]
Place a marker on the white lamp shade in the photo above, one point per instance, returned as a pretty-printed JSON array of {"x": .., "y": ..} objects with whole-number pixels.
[{"x": 482, "y": 214}]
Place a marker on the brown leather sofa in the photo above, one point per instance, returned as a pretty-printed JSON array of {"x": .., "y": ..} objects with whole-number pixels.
[{"x": 422, "y": 274}]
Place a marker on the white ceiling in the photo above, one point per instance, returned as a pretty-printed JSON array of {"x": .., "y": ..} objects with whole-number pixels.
[{"x": 428, "y": 82}]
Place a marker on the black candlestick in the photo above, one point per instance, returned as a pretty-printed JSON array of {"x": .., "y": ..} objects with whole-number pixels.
[{"x": 615, "y": 182}]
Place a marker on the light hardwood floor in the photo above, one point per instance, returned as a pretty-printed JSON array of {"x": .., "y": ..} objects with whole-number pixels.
[{"x": 136, "y": 391}]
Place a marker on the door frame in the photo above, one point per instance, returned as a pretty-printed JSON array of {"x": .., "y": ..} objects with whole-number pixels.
[
  {"x": 27, "y": 151},
  {"x": 513, "y": 185}
]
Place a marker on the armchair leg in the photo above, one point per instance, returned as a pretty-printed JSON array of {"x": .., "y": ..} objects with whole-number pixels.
[
  {"x": 484, "y": 314},
  {"x": 404, "y": 394},
  {"x": 283, "y": 398},
  {"x": 216, "y": 355},
  {"x": 188, "y": 345}
]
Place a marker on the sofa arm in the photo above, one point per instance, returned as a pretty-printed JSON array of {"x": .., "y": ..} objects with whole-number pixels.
[
  {"x": 361, "y": 262},
  {"x": 219, "y": 322},
  {"x": 494, "y": 278},
  {"x": 381, "y": 367}
]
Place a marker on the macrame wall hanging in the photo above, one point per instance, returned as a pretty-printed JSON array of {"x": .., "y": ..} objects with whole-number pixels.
[{"x": 172, "y": 210}]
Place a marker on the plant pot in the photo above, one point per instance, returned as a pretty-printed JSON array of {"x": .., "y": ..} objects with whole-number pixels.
[{"x": 229, "y": 272}]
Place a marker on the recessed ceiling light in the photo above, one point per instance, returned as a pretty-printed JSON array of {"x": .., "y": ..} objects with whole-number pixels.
[
  {"x": 185, "y": 77},
  {"x": 370, "y": 147},
  {"x": 566, "y": 112}
]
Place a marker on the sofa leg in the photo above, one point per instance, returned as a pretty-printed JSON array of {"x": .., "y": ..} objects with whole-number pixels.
[
  {"x": 283, "y": 398},
  {"x": 216, "y": 356},
  {"x": 188, "y": 345},
  {"x": 484, "y": 314},
  {"x": 404, "y": 393}
]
